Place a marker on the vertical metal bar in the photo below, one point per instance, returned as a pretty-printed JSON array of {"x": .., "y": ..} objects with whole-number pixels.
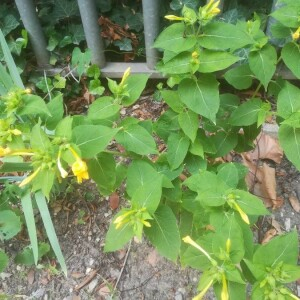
[
  {"x": 31, "y": 23},
  {"x": 272, "y": 21},
  {"x": 151, "y": 30},
  {"x": 91, "y": 28}
]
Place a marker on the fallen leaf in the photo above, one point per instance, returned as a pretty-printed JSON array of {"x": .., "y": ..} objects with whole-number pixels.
[
  {"x": 104, "y": 291},
  {"x": 121, "y": 254},
  {"x": 269, "y": 235},
  {"x": 30, "y": 276},
  {"x": 114, "y": 201},
  {"x": 76, "y": 297},
  {"x": 276, "y": 225},
  {"x": 267, "y": 147},
  {"x": 294, "y": 203},
  {"x": 77, "y": 275},
  {"x": 87, "y": 280}
]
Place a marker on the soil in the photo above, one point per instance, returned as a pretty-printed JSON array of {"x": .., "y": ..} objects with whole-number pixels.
[{"x": 135, "y": 272}]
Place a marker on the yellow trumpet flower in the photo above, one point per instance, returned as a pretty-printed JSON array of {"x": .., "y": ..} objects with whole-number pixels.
[
  {"x": 63, "y": 172},
  {"x": 203, "y": 292},
  {"x": 224, "y": 292},
  {"x": 241, "y": 212},
  {"x": 125, "y": 76},
  {"x": 174, "y": 18},
  {"x": 79, "y": 167},
  {"x": 30, "y": 177}
]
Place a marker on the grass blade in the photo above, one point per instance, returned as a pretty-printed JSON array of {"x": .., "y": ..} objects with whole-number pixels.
[
  {"x": 6, "y": 82},
  {"x": 10, "y": 62},
  {"x": 30, "y": 222},
  {"x": 44, "y": 211}
]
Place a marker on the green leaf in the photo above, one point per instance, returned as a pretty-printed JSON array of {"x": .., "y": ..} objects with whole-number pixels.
[
  {"x": 9, "y": 167},
  {"x": 201, "y": 96},
  {"x": 189, "y": 123},
  {"x": 10, "y": 224},
  {"x": 139, "y": 173},
  {"x": 26, "y": 257},
  {"x": 223, "y": 36},
  {"x": 247, "y": 113},
  {"x": 81, "y": 60},
  {"x": 92, "y": 139},
  {"x": 228, "y": 172},
  {"x": 289, "y": 139},
  {"x": 117, "y": 238},
  {"x": 56, "y": 109},
  {"x": 249, "y": 203},
  {"x": 39, "y": 139},
  {"x": 173, "y": 100},
  {"x": 263, "y": 64},
  {"x": 135, "y": 86},
  {"x": 3, "y": 261},
  {"x": 288, "y": 100},
  {"x": 224, "y": 142},
  {"x": 239, "y": 77},
  {"x": 288, "y": 15},
  {"x": 44, "y": 181},
  {"x": 282, "y": 248},
  {"x": 95, "y": 87},
  {"x": 9, "y": 23},
  {"x": 235, "y": 290},
  {"x": 148, "y": 195},
  {"x": 77, "y": 33},
  {"x": 64, "y": 9},
  {"x": 292, "y": 272},
  {"x": 137, "y": 139},
  {"x": 211, "y": 61},
  {"x": 51, "y": 234},
  {"x": 164, "y": 233},
  {"x": 102, "y": 108},
  {"x": 13, "y": 70},
  {"x": 26, "y": 202},
  {"x": 102, "y": 170},
  {"x": 178, "y": 146},
  {"x": 180, "y": 64},
  {"x": 173, "y": 39},
  {"x": 291, "y": 53},
  {"x": 33, "y": 104},
  {"x": 64, "y": 128}
]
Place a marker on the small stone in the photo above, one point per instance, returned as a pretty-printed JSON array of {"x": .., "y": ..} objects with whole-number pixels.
[
  {"x": 88, "y": 270},
  {"x": 92, "y": 285},
  {"x": 91, "y": 262},
  {"x": 97, "y": 240},
  {"x": 123, "y": 111},
  {"x": 89, "y": 238},
  {"x": 195, "y": 279},
  {"x": 19, "y": 268},
  {"x": 287, "y": 224}
]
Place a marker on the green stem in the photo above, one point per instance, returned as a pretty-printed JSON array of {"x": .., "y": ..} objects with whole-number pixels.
[{"x": 256, "y": 91}]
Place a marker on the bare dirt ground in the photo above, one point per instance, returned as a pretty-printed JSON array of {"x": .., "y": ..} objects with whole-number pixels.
[{"x": 136, "y": 272}]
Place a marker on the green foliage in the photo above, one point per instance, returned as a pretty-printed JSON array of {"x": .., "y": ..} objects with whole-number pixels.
[{"x": 179, "y": 193}]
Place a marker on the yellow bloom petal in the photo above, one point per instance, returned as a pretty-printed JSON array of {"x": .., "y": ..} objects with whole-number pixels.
[
  {"x": 4, "y": 151},
  {"x": 188, "y": 240},
  {"x": 80, "y": 170},
  {"x": 15, "y": 131},
  {"x": 296, "y": 34},
  {"x": 30, "y": 177},
  {"x": 203, "y": 292},
  {"x": 125, "y": 76},
  {"x": 174, "y": 18},
  {"x": 146, "y": 223},
  {"x": 62, "y": 171},
  {"x": 224, "y": 293},
  {"x": 242, "y": 213}
]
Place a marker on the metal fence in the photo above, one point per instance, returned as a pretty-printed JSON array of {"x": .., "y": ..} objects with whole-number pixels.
[{"x": 94, "y": 41}]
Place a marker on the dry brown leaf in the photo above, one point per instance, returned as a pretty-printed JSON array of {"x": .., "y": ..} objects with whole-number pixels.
[
  {"x": 267, "y": 147},
  {"x": 269, "y": 235},
  {"x": 114, "y": 200},
  {"x": 76, "y": 297},
  {"x": 276, "y": 225},
  {"x": 30, "y": 276},
  {"x": 294, "y": 203},
  {"x": 77, "y": 275}
]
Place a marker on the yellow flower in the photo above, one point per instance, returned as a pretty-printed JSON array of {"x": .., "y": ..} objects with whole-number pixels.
[
  {"x": 224, "y": 292},
  {"x": 30, "y": 177},
  {"x": 125, "y": 76},
  {"x": 203, "y": 292},
  {"x": 241, "y": 212},
  {"x": 174, "y": 18},
  {"x": 296, "y": 34},
  {"x": 15, "y": 131},
  {"x": 4, "y": 151},
  {"x": 80, "y": 170},
  {"x": 79, "y": 167},
  {"x": 63, "y": 172},
  {"x": 188, "y": 240}
]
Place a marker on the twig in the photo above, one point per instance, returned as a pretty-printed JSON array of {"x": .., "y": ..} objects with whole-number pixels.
[
  {"x": 256, "y": 167},
  {"x": 123, "y": 267},
  {"x": 86, "y": 281}
]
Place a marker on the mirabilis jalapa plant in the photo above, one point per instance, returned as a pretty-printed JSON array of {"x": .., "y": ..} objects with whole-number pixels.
[{"x": 185, "y": 203}]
